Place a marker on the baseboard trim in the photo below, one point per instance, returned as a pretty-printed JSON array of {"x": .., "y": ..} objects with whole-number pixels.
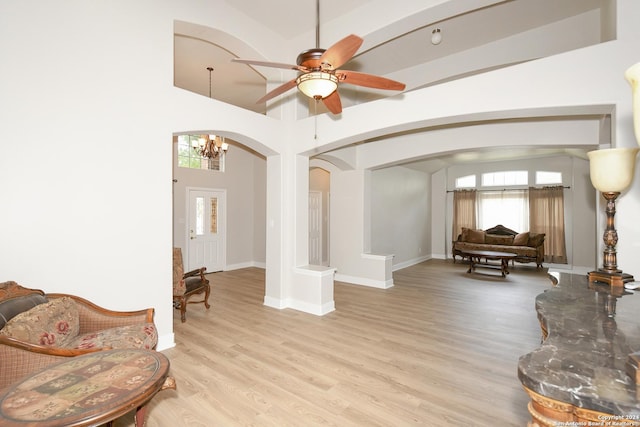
[
  {"x": 317, "y": 309},
  {"x": 247, "y": 264},
  {"x": 363, "y": 281},
  {"x": 411, "y": 262}
]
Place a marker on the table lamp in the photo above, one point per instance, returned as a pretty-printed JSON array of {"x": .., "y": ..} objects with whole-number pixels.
[{"x": 611, "y": 173}]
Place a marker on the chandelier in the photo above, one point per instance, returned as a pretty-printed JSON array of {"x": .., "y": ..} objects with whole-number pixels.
[{"x": 210, "y": 146}]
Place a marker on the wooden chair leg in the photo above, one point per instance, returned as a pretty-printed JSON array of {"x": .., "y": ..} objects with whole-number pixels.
[
  {"x": 183, "y": 309},
  {"x": 140, "y": 417},
  {"x": 207, "y": 292}
]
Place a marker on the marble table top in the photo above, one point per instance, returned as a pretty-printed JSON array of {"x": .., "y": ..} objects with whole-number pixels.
[{"x": 592, "y": 328}]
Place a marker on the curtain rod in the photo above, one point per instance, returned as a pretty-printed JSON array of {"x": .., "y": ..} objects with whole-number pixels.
[{"x": 504, "y": 189}]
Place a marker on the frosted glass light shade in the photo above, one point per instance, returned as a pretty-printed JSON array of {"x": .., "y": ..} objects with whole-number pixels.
[
  {"x": 317, "y": 84},
  {"x": 612, "y": 169},
  {"x": 633, "y": 77}
]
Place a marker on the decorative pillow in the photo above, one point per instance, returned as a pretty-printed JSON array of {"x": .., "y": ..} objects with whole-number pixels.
[
  {"x": 11, "y": 307},
  {"x": 522, "y": 239},
  {"x": 475, "y": 236},
  {"x": 53, "y": 324},
  {"x": 142, "y": 335},
  {"x": 494, "y": 239},
  {"x": 536, "y": 239}
]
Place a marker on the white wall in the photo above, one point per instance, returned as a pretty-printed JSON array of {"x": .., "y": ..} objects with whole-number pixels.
[
  {"x": 259, "y": 212},
  {"x": 585, "y": 212},
  {"x": 350, "y": 241},
  {"x": 400, "y": 215},
  {"x": 243, "y": 179},
  {"x": 87, "y": 84},
  {"x": 440, "y": 239}
]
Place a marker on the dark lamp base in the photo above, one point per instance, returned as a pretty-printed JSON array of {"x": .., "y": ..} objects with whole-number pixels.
[{"x": 611, "y": 278}]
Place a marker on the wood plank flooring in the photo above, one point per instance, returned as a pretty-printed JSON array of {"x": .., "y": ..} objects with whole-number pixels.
[{"x": 440, "y": 348}]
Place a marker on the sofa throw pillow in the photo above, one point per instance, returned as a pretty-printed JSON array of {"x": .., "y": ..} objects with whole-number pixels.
[
  {"x": 13, "y": 306},
  {"x": 475, "y": 236},
  {"x": 494, "y": 239},
  {"x": 521, "y": 239},
  {"x": 536, "y": 239},
  {"x": 140, "y": 335},
  {"x": 52, "y": 324}
]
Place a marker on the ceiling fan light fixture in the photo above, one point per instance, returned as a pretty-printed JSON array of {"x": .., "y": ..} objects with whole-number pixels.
[{"x": 317, "y": 84}]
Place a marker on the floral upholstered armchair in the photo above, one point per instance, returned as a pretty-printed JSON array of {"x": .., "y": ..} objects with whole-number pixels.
[{"x": 37, "y": 329}]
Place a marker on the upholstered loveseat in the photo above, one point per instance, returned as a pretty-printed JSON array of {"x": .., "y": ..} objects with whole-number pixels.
[
  {"x": 37, "y": 329},
  {"x": 528, "y": 246}
]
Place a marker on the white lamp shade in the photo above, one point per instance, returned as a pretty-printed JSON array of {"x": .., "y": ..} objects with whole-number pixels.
[
  {"x": 612, "y": 169},
  {"x": 317, "y": 84},
  {"x": 633, "y": 77}
]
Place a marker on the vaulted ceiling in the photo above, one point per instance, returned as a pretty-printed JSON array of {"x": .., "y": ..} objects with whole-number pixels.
[{"x": 477, "y": 36}]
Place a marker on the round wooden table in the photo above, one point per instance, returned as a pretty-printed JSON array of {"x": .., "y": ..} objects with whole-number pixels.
[
  {"x": 87, "y": 390},
  {"x": 476, "y": 256}
]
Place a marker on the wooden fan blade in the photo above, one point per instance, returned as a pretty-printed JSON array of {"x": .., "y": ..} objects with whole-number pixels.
[
  {"x": 277, "y": 91},
  {"x": 368, "y": 80},
  {"x": 333, "y": 103},
  {"x": 342, "y": 51},
  {"x": 270, "y": 64}
]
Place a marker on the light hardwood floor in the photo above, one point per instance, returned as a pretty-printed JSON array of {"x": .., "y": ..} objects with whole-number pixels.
[{"x": 440, "y": 348}]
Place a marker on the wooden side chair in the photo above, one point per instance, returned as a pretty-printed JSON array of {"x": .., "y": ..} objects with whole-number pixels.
[{"x": 187, "y": 284}]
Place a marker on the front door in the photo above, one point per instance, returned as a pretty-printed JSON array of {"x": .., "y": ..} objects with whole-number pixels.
[{"x": 206, "y": 229}]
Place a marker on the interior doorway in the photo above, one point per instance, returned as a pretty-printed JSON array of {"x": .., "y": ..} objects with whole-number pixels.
[
  {"x": 315, "y": 227},
  {"x": 319, "y": 224}
]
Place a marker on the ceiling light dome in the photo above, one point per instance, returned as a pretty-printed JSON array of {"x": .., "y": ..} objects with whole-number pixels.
[{"x": 317, "y": 84}]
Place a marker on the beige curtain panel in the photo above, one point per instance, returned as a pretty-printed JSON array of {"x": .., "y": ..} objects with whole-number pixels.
[
  {"x": 464, "y": 211},
  {"x": 546, "y": 215}
]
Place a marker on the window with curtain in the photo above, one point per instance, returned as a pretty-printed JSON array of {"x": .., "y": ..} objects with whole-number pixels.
[
  {"x": 546, "y": 215},
  {"x": 508, "y": 207}
]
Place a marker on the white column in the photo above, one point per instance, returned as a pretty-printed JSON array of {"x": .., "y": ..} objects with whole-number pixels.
[{"x": 290, "y": 281}]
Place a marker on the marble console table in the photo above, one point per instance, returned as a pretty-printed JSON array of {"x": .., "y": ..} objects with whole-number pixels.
[{"x": 578, "y": 375}]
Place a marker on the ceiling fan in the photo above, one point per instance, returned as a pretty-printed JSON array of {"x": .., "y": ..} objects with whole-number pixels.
[{"x": 320, "y": 73}]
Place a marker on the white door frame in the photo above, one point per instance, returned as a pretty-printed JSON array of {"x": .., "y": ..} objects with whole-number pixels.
[
  {"x": 222, "y": 225},
  {"x": 315, "y": 233}
]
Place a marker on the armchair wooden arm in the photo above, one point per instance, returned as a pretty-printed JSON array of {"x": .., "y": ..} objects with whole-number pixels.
[
  {"x": 45, "y": 350},
  {"x": 197, "y": 272}
]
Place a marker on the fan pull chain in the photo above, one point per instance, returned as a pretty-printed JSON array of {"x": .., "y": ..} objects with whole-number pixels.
[{"x": 315, "y": 118}]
